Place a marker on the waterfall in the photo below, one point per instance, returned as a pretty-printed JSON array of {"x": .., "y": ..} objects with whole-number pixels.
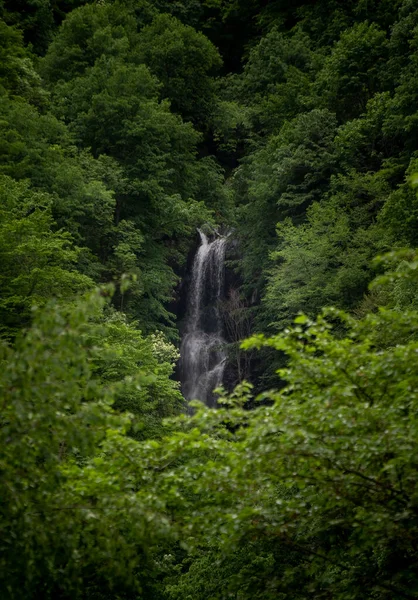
[{"x": 202, "y": 349}]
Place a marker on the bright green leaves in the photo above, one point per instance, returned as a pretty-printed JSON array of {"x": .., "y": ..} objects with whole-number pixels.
[
  {"x": 125, "y": 353},
  {"x": 325, "y": 469},
  {"x": 310, "y": 254},
  {"x": 310, "y": 483},
  {"x": 327, "y": 260},
  {"x": 78, "y": 506},
  {"x": 37, "y": 262},
  {"x": 53, "y": 410},
  {"x": 38, "y": 147}
]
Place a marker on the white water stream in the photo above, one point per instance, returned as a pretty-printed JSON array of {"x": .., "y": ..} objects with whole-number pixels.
[{"x": 202, "y": 348}]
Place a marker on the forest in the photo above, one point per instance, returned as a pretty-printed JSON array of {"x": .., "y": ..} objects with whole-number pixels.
[{"x": 290, "y": 128}]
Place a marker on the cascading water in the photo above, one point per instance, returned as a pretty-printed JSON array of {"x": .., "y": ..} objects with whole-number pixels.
[{"x": 202, "y": 349}]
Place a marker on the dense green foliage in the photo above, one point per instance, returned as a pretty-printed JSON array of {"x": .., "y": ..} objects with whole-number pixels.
[{"x": 126, "y": 124}]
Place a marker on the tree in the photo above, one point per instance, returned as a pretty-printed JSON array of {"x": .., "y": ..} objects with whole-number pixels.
[
  {"x": 85, "y": 35},
  {"x": 399, "y": 213},
  {"x": 321, "y": 263},
  {"x": 17, "y": 74},
  {"x": 37, "y": 18},
  {"x": 129, "y": 352},
  {"x": 114, "y": 110},
  {"x": 37, "y": 262},
  {"x": 276, "y": 80},
  {"x": 322, "y": 474},
  {"x": 282, "y": 179},
  {"x": 38, "y": 147},
  {"x": 351, "y": 74},
  {"x": 185, "y": 62},
  {"x": 76, "y": 519}
]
